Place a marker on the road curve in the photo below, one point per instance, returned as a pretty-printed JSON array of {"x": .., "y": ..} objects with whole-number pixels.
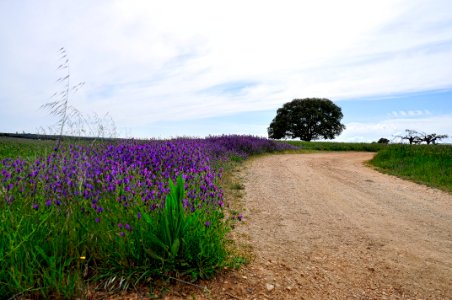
[{"x": 326, "y": 226}]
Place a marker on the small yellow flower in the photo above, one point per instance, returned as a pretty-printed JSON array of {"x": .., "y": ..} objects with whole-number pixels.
[{"x": 82, "y": 257}]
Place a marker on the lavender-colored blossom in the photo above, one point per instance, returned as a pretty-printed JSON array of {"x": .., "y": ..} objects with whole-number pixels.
[{"x": 132, "y": 172}]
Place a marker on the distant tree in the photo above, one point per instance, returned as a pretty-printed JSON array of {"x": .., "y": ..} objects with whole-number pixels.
[
  {"x": 432, "y": 138},
  {"x": 412, "y": 136},
  {"x": 307, "y": 119},
  {"x": 383, "y": 141},
  {"x": 415, "y": 137}
]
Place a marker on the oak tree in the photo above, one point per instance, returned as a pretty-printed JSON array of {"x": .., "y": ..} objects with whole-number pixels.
[{"x": 307, "y": 119}]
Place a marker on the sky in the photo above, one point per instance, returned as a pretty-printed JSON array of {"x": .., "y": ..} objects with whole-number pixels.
[{"x": 163, "y": 69}]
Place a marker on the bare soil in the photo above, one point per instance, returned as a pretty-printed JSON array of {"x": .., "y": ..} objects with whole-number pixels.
[{"x": 326, "y": 226}]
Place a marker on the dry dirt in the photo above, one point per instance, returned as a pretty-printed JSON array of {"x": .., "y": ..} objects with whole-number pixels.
[{"x": 325, "y": 226}]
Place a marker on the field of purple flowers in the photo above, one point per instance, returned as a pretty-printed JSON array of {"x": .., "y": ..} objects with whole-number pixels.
[{"x": 116, "y": 215}]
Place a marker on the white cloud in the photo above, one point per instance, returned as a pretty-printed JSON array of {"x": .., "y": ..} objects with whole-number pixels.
[
  {"x": 149, "y": 61},
  {"x": 409, "y": 113}
]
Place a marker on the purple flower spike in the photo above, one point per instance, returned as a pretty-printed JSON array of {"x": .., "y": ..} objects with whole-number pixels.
[
  {"x": 122, "y": 234},
  {"x": 240, "y": 217},
  {"x": 48, "y": 202},
  {"x": 139, "y": 215},
  {"x": 128, "y": 227},
  {"x": 119, "y": 225},
  {"x": 207, "y": 224},
  {"x": 97, "y": 220},
  {"x": 35, "y": 206}
]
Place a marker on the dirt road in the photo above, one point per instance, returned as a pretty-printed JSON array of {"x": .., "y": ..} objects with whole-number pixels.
[{"x": 324, "y": 226}]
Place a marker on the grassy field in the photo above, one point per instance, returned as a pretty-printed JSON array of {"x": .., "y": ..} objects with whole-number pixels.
[
  {"x": 333, "y": 146},
  {"x": 427, "y": 164},
  {"x": 24, "y": 148}
]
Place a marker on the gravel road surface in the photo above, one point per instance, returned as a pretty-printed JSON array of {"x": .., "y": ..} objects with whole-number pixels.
[{"x": 325, "y": 226}]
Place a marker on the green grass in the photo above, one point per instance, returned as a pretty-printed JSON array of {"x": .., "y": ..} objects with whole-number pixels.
[
  {"x": 426, "y": 164},
  {"x": 335, "y": 146},
  {"x": 24, "y": 148},
  {"x": 30, "y": 149}
]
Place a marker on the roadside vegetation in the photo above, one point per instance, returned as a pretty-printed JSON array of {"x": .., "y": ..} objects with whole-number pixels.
[
  {"x": 427, "y": 164},
  {"x": 114, "y": 216}
]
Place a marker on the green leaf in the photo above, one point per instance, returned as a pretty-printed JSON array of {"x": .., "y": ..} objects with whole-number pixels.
[
  {"x": 154, "y": 255},
  {"x": 175, "y": 247},
  {"x": 42, "y": 253},
  {"x": 146, "y": 217}
]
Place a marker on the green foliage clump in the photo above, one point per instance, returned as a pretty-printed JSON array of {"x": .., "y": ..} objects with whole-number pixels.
[
  {"x": 187, "y": 241},
  {"x": 57, "y": 251},
  {"x": 307, "y": 119},
  {"x": 383, "y": 141}
]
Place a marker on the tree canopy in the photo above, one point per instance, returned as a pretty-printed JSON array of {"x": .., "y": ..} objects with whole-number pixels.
[{"x": 307, "y": 119}]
